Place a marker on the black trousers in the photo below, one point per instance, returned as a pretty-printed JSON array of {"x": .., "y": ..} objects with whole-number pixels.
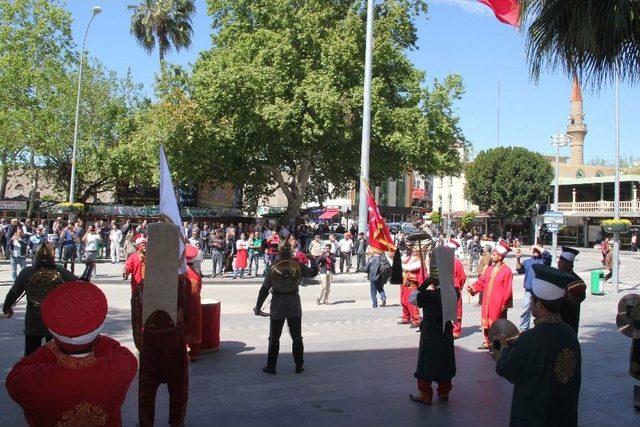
[
  {"x": 33, "y": 342},
  {"x": 275, "y": 331}
]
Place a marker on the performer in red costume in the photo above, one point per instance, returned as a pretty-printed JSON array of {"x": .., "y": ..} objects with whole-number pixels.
[
  {"x": 459, "y": 278},
  {"x": 414, "y": 275},
  {"x": 193, "y": 330},
  {"x": 163, "y": 357},
  {"x": 496, "y": 286},
  {"x": 80, "y": 378},
  {"x": 135, "y": 267}
]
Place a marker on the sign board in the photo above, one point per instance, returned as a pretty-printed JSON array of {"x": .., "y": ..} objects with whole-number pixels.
[
  {"x": 13, "y": 205},
  {"x": 553, "y": 228},
  {"x": 552, "y": 217},
  {"x": 418, "y": 193}
]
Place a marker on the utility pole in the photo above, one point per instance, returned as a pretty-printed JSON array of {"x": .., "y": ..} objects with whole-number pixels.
[
  {"x": 558, "y": 140},
  {"x": 366, "y": 123}
]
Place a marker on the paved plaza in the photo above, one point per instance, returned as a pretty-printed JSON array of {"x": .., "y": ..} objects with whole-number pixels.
[{"x": 359, "y": 363}]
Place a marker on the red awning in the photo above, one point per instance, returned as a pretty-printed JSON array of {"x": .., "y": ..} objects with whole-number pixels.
[{"x": 329, "y": 213}]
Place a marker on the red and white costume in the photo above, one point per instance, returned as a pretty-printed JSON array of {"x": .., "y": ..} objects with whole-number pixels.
[
  {"x": 135, "y": 266},
  {"x": 459, "y": 279},
  {"x": 80, "y": 378},
  {"x": 193, "y": 327},
  {"x": 496, "y": 286},
  {"x": 414, "y": 275}
]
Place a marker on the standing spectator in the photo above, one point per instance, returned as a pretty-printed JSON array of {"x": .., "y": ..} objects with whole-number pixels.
[
  {"x": 475, "y": 251},
  {"x": 315, "y": 247},
  {"x": 608, "y": 262},
  {"x": 79, "y": 235},
  {"x": 231, "y": 229},
  {"x": 27, "y": 228},
  {"x": 54, "y": 239},
  {"x": 204, "y": 239},
  {"x": 605, "y": 248},
  {"x": 194, "y": 239},
  {"x": 143, "y": 228},
  {"x": 18, "y": 250},
  {"x": 266, "y": 233},
  {"x": 273, "y": 242},
  {"x": 186, "y": 230},
  {"x": 361, "y": 251},
  {"x": 483, "y": 264},
  {"x": 68, "y": 241},
  {"x": 634, "y": 242},
  {"x": 327, "y": 266},
  {"x": 4, "y": 226},
  {"x": 377, "y": 269},
  {"x": 255, "y": 248},
  {"x": 115, "y": 237},
  {"x": 91, "y": 244},
  {"x": 104, "y": 231},
  {"x": 241, "y": 228},
  {"x": 241, "y": 256},
  {"x": 11, "y": 230},
  {"x": 45, "y": 226},
  {"x": 229, "y": 251},
  {"x": 346, "y": 246},
  {"x": 195, "y": 226},
  {"x": 129, "y": 246},
  {"x": 334, "y": 244},
  {"x": 126, "y": 227},
  {"x": 35, "y": 241},
  {"x": 216, "y": 247}
]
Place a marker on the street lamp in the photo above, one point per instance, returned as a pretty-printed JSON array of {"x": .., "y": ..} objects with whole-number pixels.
[
  {"x": 558, "y": 140},
  {"x": 615, "y": 267},
  {"x": 72, "y": 185}
]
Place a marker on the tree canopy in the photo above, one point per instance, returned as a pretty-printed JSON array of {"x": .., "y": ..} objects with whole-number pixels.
[
  {"x": 508, "y": 181},
  {"x": 281, "y": 95}
]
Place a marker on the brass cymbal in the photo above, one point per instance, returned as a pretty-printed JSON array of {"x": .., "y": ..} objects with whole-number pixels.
[
  {"x": 502, "y": 327},
  {"x": 628, "y": 311}
]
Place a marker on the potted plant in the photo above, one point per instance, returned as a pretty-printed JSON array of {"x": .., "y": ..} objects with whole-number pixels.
[
  {"x": 71, "y": 207},
  {"x": 616, "y": 225}
]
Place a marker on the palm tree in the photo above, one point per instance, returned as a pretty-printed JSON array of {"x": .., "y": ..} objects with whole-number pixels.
[
  {"x": 163, "y": 22},
  {"x": 591, "y": 38}
]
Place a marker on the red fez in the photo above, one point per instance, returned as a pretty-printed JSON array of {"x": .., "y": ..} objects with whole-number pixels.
[
  {"x": 190, "y": 252},
  {"x": 74, "y": 313},
  {"x": 503, "y": 248}
]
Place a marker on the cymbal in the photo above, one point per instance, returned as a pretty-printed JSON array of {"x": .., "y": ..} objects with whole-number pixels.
[
  {"x": 502, "y": 327},
  {"x": 628, "y": 311},
  {"x": 418, "y": 236}
]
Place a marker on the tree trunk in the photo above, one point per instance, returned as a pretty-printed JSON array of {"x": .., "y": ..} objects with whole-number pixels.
[
  {"x": 4, "y": 157},
  {"x": 294, "y": 190},
  {"x": 34, "y": 183}
]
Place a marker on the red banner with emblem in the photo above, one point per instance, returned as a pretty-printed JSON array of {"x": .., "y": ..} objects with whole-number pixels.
[
  {"x": 507, "y": 11},
  {"x": 379, "y": 235}
]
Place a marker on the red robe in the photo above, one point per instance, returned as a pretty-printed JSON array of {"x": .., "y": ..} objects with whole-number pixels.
[
  {"x": 135, "y": 266},
  {"x": 459, "y": 278},
  {"x": 496, "y": 286},
  {"x": 193, "y": 326},
  {"x": 56, "y": 389},
  {"x": 413, "y": 277}
]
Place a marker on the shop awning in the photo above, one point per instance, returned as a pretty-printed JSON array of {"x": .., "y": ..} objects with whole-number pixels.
[{"x": 329, "y": 213}]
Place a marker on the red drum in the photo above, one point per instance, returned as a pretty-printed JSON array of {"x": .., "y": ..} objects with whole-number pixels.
[{"x": 210, "y": 325}]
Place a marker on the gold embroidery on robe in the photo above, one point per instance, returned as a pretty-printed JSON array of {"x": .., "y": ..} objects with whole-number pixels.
[
  {"x": 83, "y": 415},
  {"x": 565, "y": 366}
]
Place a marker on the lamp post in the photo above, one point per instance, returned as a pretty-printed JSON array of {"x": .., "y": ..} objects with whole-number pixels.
[
  {"x": 615, "y": 268},
  {"x": 558, "y": 140},
  {"x": 72, "y": 185},
  {"x": 366, "y": 123}
]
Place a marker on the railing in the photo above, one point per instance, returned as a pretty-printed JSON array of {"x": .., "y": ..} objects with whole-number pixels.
[{"x": 600, "y": 206}]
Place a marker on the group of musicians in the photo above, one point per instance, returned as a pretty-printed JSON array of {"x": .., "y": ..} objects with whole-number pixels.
[{"x": 81, "y": 377}]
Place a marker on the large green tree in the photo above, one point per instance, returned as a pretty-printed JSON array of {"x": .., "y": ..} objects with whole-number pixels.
[
  {"x": 281, "y": 95},
  {"x": 162, "y": 24},
  {"x": 508, "y": 181},
  {"x": 590, "y": 38},
  {"x": 35, "y": 49}
]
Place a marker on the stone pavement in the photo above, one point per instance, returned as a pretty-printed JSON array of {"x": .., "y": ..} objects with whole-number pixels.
[{"x": 358, "y": 362}]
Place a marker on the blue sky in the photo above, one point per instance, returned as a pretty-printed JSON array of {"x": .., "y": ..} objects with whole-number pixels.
[{"x": 456, "y": 36}]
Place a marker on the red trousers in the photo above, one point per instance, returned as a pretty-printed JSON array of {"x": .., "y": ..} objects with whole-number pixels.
[
  {"x": 410, "y": 313},
  {"x": 444, "y": 387},
  {"x": 503, "y": 315},
  {"x": 163, "y": 360},
  {"x": 457, "y": 325}
]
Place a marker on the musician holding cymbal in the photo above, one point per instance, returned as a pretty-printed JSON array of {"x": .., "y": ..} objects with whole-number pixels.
[
  {"x": 544, "y": 363},
  {"x": 35, "y": 282}
]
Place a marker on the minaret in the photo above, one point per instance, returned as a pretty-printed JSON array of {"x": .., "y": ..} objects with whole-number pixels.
[{"x": 576, "y": 127}]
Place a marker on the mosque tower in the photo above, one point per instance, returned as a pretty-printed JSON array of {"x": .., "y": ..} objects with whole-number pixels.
[{"x": 576, "y": 127}]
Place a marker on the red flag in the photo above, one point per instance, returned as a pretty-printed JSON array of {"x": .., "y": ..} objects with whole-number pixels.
[
  {"x": 507, "y": 11},
  {"x": 379, "y": 235}
]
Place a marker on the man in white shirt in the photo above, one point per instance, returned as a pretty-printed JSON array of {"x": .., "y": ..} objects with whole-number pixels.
[
  {"x": 346, "y": 246},
  {"x": 115, "y": 237},
  {"x": 315, "y": 247}
]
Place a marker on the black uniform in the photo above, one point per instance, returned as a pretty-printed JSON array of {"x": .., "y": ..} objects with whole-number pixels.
[
  {"x": 544, "y": 364},
  {"x": 285, "y": 306},
  {"x": 34, "y": 329},
  {"x": 436, "y": 358},
  {"x": 570, "y": 310}
]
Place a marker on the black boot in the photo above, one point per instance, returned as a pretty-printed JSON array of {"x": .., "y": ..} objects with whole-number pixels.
[
  {"x": 272, "y": 356},
  {"x": 298, "y": 354}
]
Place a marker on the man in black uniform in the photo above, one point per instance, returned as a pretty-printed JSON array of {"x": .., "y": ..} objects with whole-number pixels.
[
  {"x": 575, "y": 292},
  {"x": 36, "y": 281},
  {"x": 283, "y": 280},
  {"x": 544, "y": 363}
]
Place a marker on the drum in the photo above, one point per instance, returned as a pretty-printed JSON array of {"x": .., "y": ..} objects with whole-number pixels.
[{"x": 210, "y": 325}]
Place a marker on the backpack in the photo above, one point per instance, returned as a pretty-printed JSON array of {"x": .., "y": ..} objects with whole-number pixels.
[{"x": 384, "y": 270}]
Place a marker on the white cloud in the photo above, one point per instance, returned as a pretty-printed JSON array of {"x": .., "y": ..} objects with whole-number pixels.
[{"x": 471, "y": 6}]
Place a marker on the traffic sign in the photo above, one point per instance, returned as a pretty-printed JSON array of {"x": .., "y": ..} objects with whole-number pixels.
[{"x": 552, "y": 217}]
